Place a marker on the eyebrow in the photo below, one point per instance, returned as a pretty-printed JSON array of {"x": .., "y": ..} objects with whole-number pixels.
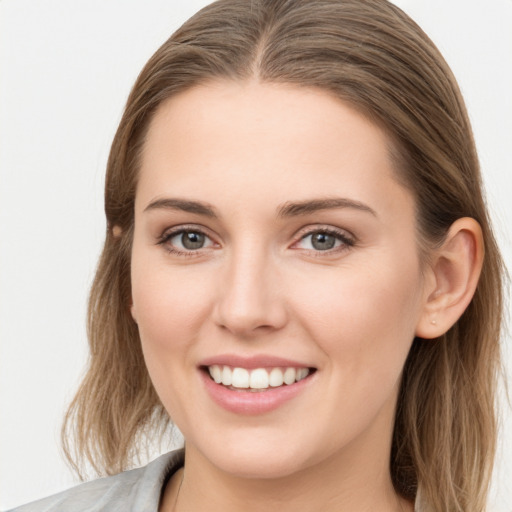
[
  {"x": 185, "y": 205},
  {"x": 291, "y": 209},
  {"x": 288, "y": 209}
]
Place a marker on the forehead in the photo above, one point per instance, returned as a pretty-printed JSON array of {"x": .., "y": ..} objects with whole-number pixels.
[{"x": 243, "y": 137}]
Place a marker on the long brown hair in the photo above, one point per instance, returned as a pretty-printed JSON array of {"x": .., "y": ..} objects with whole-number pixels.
[{"x": 370, "y": 54}]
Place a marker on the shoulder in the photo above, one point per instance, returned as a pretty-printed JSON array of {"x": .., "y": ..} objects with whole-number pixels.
[{"x": 135, "y": 490}]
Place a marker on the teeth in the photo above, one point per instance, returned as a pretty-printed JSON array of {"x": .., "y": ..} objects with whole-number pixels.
[
  {"x": 302, "y": 373},
  {"x": 240, "y": 378},
  {"x": 226, "y": 376},
  {"x": 216, "y": 373},
  {"x": 260, "y": 378},
  {"x": 276, "y": 377},
  {"x": 289, "y": 376}
]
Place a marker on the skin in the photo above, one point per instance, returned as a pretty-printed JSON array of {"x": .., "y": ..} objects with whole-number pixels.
[{"x": 259, "y": 286}]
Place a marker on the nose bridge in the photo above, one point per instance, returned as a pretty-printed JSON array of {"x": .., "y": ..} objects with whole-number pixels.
[{"x": 250, "y": 297}]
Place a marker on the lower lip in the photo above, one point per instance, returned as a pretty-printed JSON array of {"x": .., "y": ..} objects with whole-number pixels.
[{"x": 252, "y": 402}]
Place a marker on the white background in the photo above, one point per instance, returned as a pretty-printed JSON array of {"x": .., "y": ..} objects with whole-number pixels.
[{"x": 66, "y": 68}]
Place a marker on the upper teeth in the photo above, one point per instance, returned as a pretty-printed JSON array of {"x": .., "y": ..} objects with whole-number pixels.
[{"x": 259, "y": 378}]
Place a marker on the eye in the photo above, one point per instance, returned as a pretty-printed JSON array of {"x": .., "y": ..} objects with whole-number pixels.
[
  {"x": 185, "y": 241},
  {"x": 323, "y": 240}
]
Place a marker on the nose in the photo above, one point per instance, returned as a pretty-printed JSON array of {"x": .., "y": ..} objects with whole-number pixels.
[{"x": 251, "y": 298}]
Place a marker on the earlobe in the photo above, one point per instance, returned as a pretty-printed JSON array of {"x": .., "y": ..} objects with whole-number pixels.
[{"x": 456, "y": 268}]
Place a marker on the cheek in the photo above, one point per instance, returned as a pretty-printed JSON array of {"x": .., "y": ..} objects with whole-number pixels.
[
  {"x": 363, "y": 317},
  {"x": 171, "y": 308},
  {"x": 167, "y": 304}
]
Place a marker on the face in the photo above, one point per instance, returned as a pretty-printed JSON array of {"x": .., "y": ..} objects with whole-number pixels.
[{"x": 275, "y": 277}]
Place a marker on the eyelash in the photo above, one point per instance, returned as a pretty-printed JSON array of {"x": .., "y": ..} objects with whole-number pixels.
[
  {"x": 168, "y": 235},
  {"x": 347, "y": 241}
]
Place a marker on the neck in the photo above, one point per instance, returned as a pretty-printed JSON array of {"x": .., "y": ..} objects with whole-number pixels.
[
  {"x": 331, "y": 485},
  {"x": 355, "y": 477}
]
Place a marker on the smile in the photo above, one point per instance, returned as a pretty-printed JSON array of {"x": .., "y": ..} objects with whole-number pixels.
[
  {"x": 255, "y": 385},
  {"x": 256, "y": 379}
]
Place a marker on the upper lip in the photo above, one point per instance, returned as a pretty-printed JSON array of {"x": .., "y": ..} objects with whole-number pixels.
[{"x": 252, "y": 362}]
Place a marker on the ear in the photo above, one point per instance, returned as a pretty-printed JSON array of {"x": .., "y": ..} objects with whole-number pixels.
[
  {"x": 117, "y": 231},
  {"x": 455, "y": 269}
]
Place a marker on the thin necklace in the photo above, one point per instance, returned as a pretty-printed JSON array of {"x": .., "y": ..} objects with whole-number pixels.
[
  {"x": 178, "y": 493},
  {"x": 183, "y": 476}
]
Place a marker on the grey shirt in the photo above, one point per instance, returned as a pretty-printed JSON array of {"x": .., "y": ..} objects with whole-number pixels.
[{"x": 137, "y": 490}]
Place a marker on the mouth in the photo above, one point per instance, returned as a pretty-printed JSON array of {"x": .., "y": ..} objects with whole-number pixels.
[
  {"x": 255, "y": 385},
  {"x": 256, "y": 379}
]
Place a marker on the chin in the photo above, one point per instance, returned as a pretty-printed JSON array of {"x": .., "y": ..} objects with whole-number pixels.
[
  {"x": 256, "y": 460},
  {"x": 259, "y": 467}
]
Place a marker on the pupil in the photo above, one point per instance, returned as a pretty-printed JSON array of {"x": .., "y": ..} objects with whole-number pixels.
[
  {"x": 323, "y": 241},
  {"x": 192, "y": 240}
]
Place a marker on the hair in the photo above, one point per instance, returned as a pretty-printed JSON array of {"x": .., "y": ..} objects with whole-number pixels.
[{"x": 372, "y": 56}]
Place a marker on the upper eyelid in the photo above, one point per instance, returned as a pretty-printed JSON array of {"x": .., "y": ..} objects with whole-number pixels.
[
  {"x": 347, "y": 239},
  {"x": 298, "y": 236},
  {"x": 308, "y": 230},
  {"x": 180, "y": 228},
  {"x": 304, "y": 230},
  {"x": 171, "y": 232}
]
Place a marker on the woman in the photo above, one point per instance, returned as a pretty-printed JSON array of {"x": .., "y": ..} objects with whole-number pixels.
[{"x": 296, "y": 251}]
